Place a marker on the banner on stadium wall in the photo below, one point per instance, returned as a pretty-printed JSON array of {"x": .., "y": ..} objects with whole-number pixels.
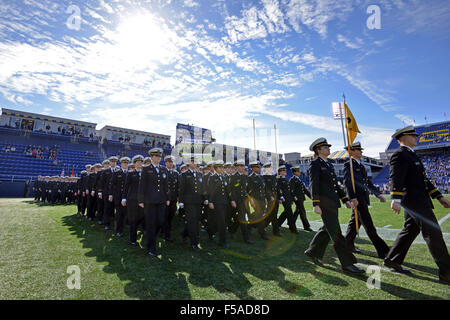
[{"x": 192, "y": 141}]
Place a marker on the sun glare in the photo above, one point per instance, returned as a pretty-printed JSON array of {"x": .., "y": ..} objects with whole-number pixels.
[{"x": 143, "y": 38}]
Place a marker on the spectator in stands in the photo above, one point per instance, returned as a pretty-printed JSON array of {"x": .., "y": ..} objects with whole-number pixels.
[{"x": 13, "y": 149}]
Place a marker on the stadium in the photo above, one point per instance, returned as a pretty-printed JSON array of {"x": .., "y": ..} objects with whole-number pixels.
[
  {"x": 243, "y": 155},
  {"x": 35, "y": 145}
]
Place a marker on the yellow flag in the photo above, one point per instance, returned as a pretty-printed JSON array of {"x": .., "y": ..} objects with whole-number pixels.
[{"x": 350, "y": 125}]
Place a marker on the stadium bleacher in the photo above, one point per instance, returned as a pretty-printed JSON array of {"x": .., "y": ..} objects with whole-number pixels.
[
  {"x": 71, "y": 153},
  {"x": 432, "y": 148},
  {"x": 68, "y": 155},
  {"x": 430, "y": 135}
]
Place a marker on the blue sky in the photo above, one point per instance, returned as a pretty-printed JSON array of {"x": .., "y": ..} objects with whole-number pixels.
[{"x": 218, "y": 64}]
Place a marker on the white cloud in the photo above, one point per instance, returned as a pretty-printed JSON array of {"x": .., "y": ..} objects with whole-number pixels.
[
  {"x": 356, "y": 44},
  {"x": 316, "y": 14},
  {"x": 190, "y": 3},
  {"x": 256, "y": 23},
  {"x": 407, "y": 120}
]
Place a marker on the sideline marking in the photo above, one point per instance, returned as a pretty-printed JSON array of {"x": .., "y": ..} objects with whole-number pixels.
[{"x": 443, "y": 219}]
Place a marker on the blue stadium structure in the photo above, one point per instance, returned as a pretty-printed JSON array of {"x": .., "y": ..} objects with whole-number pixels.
[
  {"x": 434, "y": 150},
  {"x": 33, "y": 145}
]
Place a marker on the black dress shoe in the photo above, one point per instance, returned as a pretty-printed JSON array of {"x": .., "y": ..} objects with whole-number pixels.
[
  {"x": 265, "y": 237},
  {"x": 152, "y": 254},
  {"x": 107, "y": 228},
  {"x": 248, "y": 241},
  {"x": 444, "y": 280},
  {"x": 196, "y": 248},
  {"x": 169, "y": 239},
  {"x": 308, "y": 229},
  {"x": 382, "y": 256},
  {"x": 314, "y": 259},
  {"x": 356, "y": 250},
  {"x": 277, "y": 234},
  {"x": 353, "y": 269},
  {"x": 100, "y": 222},
  {"x": 396, "y": 266},
  {"x": 118, "y": 234},
  {"x": 134, "y": 244},
  {"x": 225, "y": 245}
]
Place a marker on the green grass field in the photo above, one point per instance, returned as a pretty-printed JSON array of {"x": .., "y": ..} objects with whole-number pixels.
[{"x": 39, "y": 243}]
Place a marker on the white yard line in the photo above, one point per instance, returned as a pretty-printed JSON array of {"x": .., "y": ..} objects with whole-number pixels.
[
  {"x": 389, "y": 225},
  {"x": 443, "y": 219},
  {"x": 385, "y": 233}
]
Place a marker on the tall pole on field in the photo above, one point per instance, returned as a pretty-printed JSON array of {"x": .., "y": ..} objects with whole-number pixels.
[
  {"x": 342, "y": 121},
  {"x": 351, "y": 171},
  {"x": 276, "y": 149},
  {"x": 254, "y": 135}
]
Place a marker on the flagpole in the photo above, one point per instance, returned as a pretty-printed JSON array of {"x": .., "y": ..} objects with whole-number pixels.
[
  {"x": 351, "y": 172},
  {"x": 254, "y": 135},
  {"x": 254, "y": 141},
  {"x": 276, "y": 149},
  {"x": 342, "y": 121}
]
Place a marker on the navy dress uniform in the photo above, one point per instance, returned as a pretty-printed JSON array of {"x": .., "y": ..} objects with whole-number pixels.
[
  {"x": 153, "y": 194},
  {"x": 192, "y": 196},
  {"x": 100, "y": 201},
  {"x": 272, "y": 200},
  {"x": 117, "y": 191},
  {"x": 181, "y": 211},
  {"x": 288, "y": 200},
  {"x": 134, "y": 211},
  {"x": 205, "y": 208},
  {"x": 363, "y": 185},
  {"x": 238, "y": 194},
  {"x": 231, "y": 216},
  {"x": 218, "y": 198},
  {"x": 258, "y": 193},
  {"x": 411, "y": 187},
  {"x": 299, "y": 192},
  {"x": 84, "y": 187},
  {"x": 79, "y": 191},
  {"x": 326, "y": 194},
  {"x": 92, "y": 192},
  {"x": 173, "y": 184},
  {"x": 108, "y": 214}
]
